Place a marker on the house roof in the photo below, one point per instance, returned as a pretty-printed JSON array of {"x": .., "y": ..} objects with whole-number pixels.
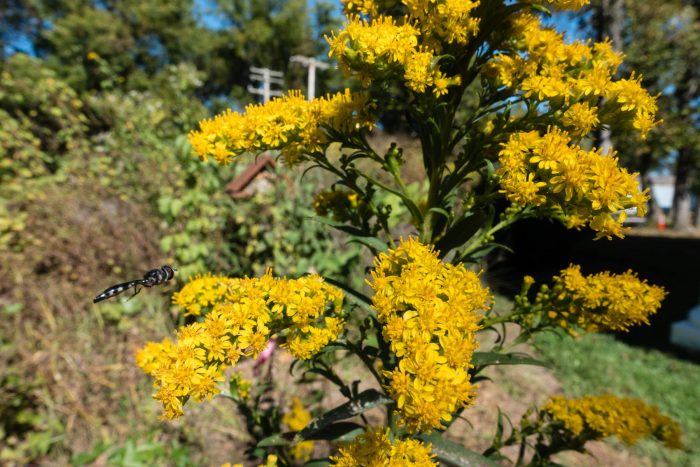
[{"x": 237, "y": 186}]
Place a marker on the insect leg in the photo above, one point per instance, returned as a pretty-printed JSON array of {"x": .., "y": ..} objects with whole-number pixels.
[{"x": 136, "y": 291}]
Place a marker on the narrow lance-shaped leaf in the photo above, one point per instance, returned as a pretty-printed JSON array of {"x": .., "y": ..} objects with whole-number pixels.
[
  {"x": 453, "y": 453},
  {"x": 365, "y": 401},
  {"x": 280, "y": 439}
]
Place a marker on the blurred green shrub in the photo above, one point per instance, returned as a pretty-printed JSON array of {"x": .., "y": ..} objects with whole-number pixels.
[
  {"x": 136, "y": 453},
  {"x": 27, "y": 431},
  {"x": 98, "y": 187},
  {"x": 277, "y": 228},
  {"x": 42, "y": 122}
]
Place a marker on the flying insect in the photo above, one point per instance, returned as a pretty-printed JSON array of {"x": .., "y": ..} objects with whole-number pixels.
[{"x": 150, "y": 279}]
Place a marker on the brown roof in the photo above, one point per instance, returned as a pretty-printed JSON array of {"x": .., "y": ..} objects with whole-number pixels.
[{"x": 238, "y": 184}]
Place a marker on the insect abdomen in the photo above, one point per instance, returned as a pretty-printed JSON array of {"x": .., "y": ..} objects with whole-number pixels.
[{"x": 115, "y": 290}]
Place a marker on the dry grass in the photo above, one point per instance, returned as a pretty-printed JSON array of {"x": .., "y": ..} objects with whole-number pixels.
[{"x": 74, "y": 358}]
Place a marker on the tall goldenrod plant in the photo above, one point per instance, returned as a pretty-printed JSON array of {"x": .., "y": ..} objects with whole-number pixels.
[{"x": 521, "y": 150}]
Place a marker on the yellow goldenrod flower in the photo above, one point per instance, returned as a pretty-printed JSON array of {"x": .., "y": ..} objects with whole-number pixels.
[
  {"x": 296, "y": 419},
  {"x": 430, "y": 313},
  {"x": 201, "y": 293},
  {"x": 581, "y": 118},
  {"x": 290, "y": 124},
  {"x": 244, "y": 314},
  {"x": 567, "y": 182},
  {"x": 597, "y": 417},
  {"x": 599, "y": 302},
  {"x": 540, "y": 66},
  {"x": 383, "y": 47},
  {"x": 374, "y": 448}
]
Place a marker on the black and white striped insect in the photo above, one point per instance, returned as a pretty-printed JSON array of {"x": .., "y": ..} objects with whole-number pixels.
[{"x": 151, "y": 278}]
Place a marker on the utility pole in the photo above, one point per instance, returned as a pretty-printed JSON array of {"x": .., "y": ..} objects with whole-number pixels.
[
  {"x": 311, "y": 63},
  {"x": 266, "y": 77}
]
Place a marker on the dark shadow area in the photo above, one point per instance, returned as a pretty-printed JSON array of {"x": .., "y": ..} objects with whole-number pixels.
[{"x": 541, "y": 249}]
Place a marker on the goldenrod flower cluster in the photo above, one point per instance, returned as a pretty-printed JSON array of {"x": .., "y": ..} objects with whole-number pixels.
[
  {"x": 374, "y": 449},
  {"x": 430, "y": 314},
  {"x": 296, "y": 419},
  {"x": 198, "y": 296},
  {"x": 597, "y": 417},
  {"x": 383, "y": 47},
  {"x": 290, "y": 124},
  {"x": 599, "y": 302},
  {"x": 577, "y": 186},
  {"x": 340, "y": 204},
  {"x": 541, "y": 66},
  {"x": 306, "y": 311}
]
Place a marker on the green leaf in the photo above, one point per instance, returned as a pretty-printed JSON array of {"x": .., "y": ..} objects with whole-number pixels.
[
  {"x": 280, "y": 439},
  {"x": 495, "y": 358},
  {"x": 453, "y": 453},
  {"x": 342, "y": 431},
  {"x": 484, "y": 250},
  {"x": 356, "y": 235},
  {"x": 348, "y": 229},
  {"x": 365, "y": 401},
  {"x": 373, "y": 243},
  {"x": 490, "y": 169},
  {"x": 440, "y": 211},
  {"x": 461, "y": 231},
  {"x": 542, "y": 9}
]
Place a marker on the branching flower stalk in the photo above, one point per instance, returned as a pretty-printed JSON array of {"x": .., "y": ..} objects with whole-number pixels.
[{"x": 503, "y": 108}]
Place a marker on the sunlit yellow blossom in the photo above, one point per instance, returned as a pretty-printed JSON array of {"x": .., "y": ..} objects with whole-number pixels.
[
  {"x": 384, "y": 47},
  {"x": 541, "y": 66},
  {"x": 565, "y": 181},
  {"x": 430, "y": 313},
  {"x": 290, "y": 124},
  {"x": 244, "y": 314},
  {"x": 201, "y": 293},
  {"x": 523, "y": 189},
  {"x": 637, "y": 109},
  {"x": 374, "y": 448},
  {"x": 580, "y": 118},
  {"x": 597, "y": 417},
  {"x": 296, "y": 419},
  {"x": 443, "y": 22},
  {"x": 598, "y": 302}
]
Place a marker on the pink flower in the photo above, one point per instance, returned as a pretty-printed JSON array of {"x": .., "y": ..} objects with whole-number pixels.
[{"x": 264, "y": 356}]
